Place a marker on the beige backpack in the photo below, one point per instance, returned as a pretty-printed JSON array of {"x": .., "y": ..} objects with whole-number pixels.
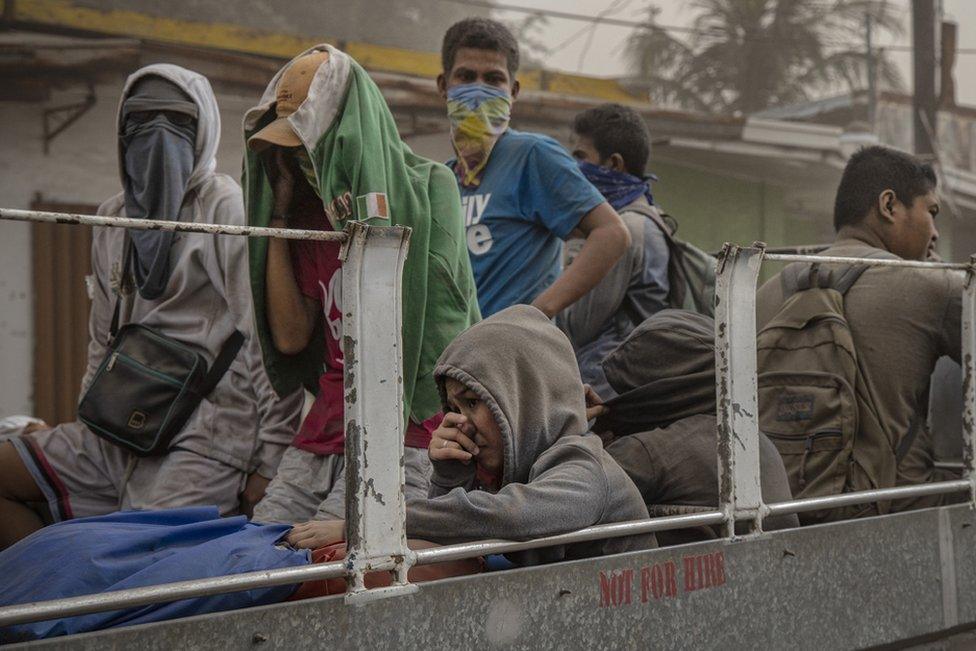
[{"x": 813, "y": 403}]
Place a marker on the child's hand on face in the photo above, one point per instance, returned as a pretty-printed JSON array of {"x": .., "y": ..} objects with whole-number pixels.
[
  {"x": 452, "y": 440},
  {"x": 312, "y": 535}
]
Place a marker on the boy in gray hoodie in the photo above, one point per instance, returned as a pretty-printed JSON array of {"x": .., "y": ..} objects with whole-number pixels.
[{"x": 512, "y": 458}]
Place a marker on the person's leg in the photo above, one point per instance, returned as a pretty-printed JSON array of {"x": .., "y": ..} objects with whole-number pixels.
[
  {"x": 17, "y": 490},
  {"x": 918, "y": 467},
  {"x": 182, "y": 478},
  {"x": 67, "y": 472},
  {"x": 301, "y": 484},
  {"x": 416, "y": 470},
  {"x": 332, "y": 483}
]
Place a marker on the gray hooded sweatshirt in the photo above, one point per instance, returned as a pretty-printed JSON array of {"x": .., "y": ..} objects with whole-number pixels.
[
  {"x": 556, "y": 478},
  {"x": 666, "y": 424},
  {"x": 242, "y": 422}
]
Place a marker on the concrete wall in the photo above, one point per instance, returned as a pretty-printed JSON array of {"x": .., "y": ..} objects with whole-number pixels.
[{"x": 712, "y": 209}]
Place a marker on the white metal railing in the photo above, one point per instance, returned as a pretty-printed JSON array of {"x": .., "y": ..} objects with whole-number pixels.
[
  {"x": 736, "y": 388},
  {"x": 72, "y": 219},
  {"x": 373, "y": 259}
]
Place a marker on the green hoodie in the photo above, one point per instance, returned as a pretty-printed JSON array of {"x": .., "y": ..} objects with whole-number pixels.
[{"x": 366, "y": 173}]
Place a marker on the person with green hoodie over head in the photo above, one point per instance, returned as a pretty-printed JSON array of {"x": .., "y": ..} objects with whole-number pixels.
[
  {"x": 512, "y": 458},
  {"x": 323, "y": 150}
]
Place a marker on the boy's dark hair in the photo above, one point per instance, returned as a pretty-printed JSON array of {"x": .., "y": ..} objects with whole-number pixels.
[
  {"x": 482, "y": 34},
  {"x": 616, "y": 129},
  {"x": 871, "y": 171}
]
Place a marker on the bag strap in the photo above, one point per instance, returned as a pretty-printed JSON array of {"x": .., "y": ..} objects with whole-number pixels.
[
  {"x": 126, "y": 259},
  {"x": 801, "y": 276},
  {"x": 228, "y": 352},
  {"x": 677, "y": 280},
  {"x": 652, "y": 213}
]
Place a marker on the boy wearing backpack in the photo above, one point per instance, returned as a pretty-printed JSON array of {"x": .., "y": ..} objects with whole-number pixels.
[
  {"x": 843, "y": 395},
  {"x": 611, "y": 145}
]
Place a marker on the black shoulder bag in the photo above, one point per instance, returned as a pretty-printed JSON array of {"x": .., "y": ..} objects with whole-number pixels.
[{"x": 149, "y": 385}]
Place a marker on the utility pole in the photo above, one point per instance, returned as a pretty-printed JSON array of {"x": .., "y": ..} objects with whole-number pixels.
[
  {"x": 924, "y": 100},
  {"x": 872, "y": 72}
]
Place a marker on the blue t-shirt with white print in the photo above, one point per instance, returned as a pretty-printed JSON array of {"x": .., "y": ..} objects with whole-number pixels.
[{"x": 531, "y": 195}]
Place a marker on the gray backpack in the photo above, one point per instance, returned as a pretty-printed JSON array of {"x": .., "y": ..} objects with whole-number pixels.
[
  {"x": 813, "y": 402},
  {"x": 691, "y": 271}
]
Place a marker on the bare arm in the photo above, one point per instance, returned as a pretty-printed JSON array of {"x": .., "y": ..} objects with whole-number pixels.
[
  {"x": 607, "y": 239},
  {"x": 291, "y": 316}
]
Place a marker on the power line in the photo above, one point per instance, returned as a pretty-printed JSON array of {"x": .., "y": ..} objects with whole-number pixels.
[
  {"x": 575, "y": 35},
  {"x": 633, "y": 24},
  {"x": 570, "y": 16},
  {"x": 615, "y": 6}
]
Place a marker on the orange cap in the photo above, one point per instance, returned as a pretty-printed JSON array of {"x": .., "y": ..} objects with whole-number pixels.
[{"x": 291, "y": 92}]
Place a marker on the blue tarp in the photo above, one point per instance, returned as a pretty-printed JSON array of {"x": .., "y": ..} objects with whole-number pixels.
[{"x": 139, "y": 548}]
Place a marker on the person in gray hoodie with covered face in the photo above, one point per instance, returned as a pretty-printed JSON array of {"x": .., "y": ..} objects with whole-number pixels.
[
  {"x": 512, "y": 458},
  {"x": 665, "y": 424},
  {"x": 192, "y": 288}
]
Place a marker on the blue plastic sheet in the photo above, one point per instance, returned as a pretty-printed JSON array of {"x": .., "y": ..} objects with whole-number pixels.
[{"x": 134, "y": 549}]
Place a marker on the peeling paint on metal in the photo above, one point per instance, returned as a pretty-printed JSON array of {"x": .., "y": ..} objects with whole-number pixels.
[{"x": 368, "y": 488}]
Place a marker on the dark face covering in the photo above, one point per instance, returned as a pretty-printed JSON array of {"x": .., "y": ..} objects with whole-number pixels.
[{"x": 158, "y": 135}]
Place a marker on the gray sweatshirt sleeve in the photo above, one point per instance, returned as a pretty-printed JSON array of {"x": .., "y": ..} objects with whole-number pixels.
[
  {"x": 585, "y": 319},
  {"x": 567, "y": 490},
  {"x": 448, "y": 475},
  {"x": 277, "y": 417},
  {"x": 102, "y": 300}
]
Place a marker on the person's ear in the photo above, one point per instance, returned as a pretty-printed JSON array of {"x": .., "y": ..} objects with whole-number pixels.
[
  {"x": 616, "y": 163},
  {"x": 886, "y": 205},
  {"x": 442, "y": 86},
  {"x": 516, "y": 87}
]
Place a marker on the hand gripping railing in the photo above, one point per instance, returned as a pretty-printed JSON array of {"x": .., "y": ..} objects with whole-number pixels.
[
  {"x": 737, "y": 394},
  {"x": 373, "y": 260}
]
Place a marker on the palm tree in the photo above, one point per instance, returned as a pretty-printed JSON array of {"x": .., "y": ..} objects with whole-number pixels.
[
  {"x": 529, "y": 34},
  {"x": 747, "y": 55}
]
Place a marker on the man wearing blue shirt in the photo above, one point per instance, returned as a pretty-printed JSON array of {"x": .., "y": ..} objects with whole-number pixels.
[{"x": 521, "y": 192}]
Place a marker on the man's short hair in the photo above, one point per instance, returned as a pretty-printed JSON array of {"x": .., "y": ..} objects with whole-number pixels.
[
  {"x": 616, "y": 129},
  {"x": 481, "y": 34},
  {"x": 871, "y": 171}
]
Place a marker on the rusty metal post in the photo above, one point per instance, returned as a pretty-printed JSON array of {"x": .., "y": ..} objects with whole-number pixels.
[
  {"x": 740, "y": 496},
  {"x": 969, "y": 377},
  {"x": 372, "y": 272}
]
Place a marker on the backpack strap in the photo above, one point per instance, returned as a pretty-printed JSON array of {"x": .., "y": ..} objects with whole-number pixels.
[
  {"x": 649, "y": 211},
  {"x": 677, "y": 280},
  {"x": 844, "y": 278},
  {"x": 123, "y": 279},
  {"x": 801, "y": 276},
  {"x": 228, "y": 352}
]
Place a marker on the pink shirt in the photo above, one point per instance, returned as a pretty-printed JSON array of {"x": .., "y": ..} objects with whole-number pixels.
[{"x": 318, "y": 272}]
